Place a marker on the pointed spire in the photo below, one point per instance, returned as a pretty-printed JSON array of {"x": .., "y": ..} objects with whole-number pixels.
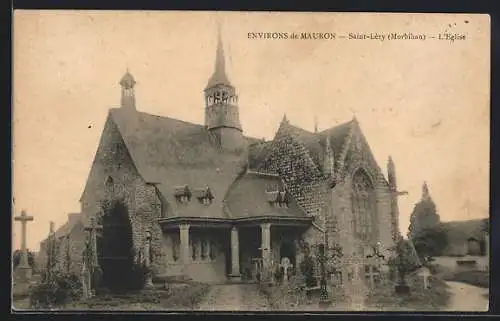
[
  {"x": 285, "y": 119},
  {"x": 391, "y": 173},
  {"x": 219, "y": 77},
  {"x": 316, "y": 124},
  {"x": 425, "y": 192},
  {"x": 329, "y": 165}
]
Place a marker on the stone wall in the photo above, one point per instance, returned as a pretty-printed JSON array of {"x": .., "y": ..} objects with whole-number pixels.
[{"x": 112, "y": 160}]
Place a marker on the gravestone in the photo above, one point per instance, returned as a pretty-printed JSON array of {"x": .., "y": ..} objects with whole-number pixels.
[
  {"x": 85, "y": 274},
  {"x": 356, "y": 288},
  {"x": 286, "y": 265},
  {"x": 23, "y": 271}
]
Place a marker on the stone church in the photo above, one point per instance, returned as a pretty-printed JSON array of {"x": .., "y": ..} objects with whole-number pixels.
[{"x": 212, "y": 205}]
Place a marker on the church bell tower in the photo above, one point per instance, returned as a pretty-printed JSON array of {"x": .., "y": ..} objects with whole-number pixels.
[
  {"x": 128, "y": 95},
  {"x": 221, "y": 106}
]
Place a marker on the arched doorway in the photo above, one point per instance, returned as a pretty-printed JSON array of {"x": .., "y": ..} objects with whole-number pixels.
[
  {"x": 116, "y": 250},
  {"x": 287, "y": 249}
]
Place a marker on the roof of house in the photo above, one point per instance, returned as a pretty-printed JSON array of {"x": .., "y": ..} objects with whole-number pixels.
[
  {"x": 461, "y": 231},
  {"x": 315, "y": 143},
  {"x": 64, "y": 230},
  {"x": 250, "y": 197},
  {"x": 170, "y": 153}
]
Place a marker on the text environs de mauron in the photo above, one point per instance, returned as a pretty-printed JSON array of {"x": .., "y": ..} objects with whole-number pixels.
[
  {"x": 292, "y": 35},
  {"x": 332, "y": 35}
]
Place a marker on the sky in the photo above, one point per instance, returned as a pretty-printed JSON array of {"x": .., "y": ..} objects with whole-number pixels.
[{"x": 423, "y": 102}]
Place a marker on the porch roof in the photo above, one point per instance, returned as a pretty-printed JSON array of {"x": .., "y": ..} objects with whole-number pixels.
[{"x": 241, "y": 221}]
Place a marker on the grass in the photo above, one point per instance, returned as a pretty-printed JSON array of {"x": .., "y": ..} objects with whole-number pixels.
[
  {"x": 180, "y": 297},
  {"x": 477, "y": 278},
  {"x": 291, "y": 296},
  {"x": 473, "y": 277},
  {"x": 419, "y": 299}
]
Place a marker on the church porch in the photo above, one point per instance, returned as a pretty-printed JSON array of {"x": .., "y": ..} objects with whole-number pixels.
[{"x": 215, "y": 251}]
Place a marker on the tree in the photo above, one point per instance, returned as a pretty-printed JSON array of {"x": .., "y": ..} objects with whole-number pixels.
[
  {"x": 405, "y": 261},
  {"x": 424, "y": 216},
  {"x": 431, "y": 241},
  {"x": 16, "y": 258},
  {"x": 485, "y": 226}
]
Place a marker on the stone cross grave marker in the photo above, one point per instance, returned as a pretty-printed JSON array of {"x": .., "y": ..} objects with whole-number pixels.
[
  {"x": 285, "y": 264},
  {"x": 24, "y": 267},
  {"x": 424, "y": 273},
  {"x": 93, "y": 228}
]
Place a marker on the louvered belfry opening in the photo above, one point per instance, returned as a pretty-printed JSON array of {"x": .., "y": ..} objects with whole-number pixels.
[{"x": 117, "y": 257}]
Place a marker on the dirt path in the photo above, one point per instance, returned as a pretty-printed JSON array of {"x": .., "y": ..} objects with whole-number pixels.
[
  {"x": 234, "y": 297},
  {"x": 467, "y": 298}
]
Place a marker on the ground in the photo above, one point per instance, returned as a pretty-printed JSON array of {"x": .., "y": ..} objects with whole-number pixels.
[
  {"x": 234, "y": 297},
  {"x": 252, "y": 297},
  {"x": 467, "y": 298}
]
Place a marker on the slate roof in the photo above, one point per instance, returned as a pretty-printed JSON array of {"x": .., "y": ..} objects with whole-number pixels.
[
  {"x": 247, "y": 197},
  {"x": 315, "y": 143},
  {"x": 170, "y": 153},
  {"x": 64, "y": 230},
  {"x": 459, "y": 231}
]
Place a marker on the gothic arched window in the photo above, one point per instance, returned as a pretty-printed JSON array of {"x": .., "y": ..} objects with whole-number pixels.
[
  {"x": 109, "y": 186},
  {"x": 363, "y": 206}
]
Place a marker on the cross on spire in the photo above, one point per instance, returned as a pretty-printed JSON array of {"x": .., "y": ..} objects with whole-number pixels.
[{"x": 24, "y": 219}]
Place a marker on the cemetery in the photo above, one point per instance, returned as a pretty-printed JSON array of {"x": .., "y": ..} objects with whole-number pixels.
[{"x": 322, "y": 281}]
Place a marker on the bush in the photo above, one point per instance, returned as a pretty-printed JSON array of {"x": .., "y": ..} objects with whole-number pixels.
[
  {"x": 16, "y": 259},
  {"x": 186, "y": 297},
  {"x": 307, "y": 270},
  {"x": 57, "y": 290}
]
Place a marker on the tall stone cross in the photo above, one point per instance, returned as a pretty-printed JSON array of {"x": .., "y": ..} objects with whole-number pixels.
[
  {"x": 24, "y": 219},
  {"x": 93, "y": 227}
]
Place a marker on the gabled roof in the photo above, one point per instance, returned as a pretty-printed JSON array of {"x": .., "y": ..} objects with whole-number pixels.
[
  {"x": 315, "y": 143},
  {"x": 170, "y": 153},
  {"x": 257, "y": 152},
  {"x": 248, "y": 198},
  {"x": 74, "y": 219},
  {"x": 460, "y": 231}
]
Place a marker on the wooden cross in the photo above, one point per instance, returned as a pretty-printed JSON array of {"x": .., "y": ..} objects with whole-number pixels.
[
  {"x": 93, "y": 228},
  {"x": 24, "y": 219}
]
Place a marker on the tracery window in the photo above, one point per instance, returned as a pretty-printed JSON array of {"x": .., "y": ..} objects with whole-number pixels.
[{"x": 363, "y": 206}]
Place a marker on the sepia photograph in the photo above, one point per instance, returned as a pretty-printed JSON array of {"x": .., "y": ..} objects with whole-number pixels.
[{"x": 250, "y": 161}]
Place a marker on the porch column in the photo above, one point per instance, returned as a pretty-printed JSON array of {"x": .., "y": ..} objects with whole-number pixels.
[
  {"x": 266, "y": 250},
  {"x": 235, "y": 254},
  {"x": 184, "y": 246}
]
